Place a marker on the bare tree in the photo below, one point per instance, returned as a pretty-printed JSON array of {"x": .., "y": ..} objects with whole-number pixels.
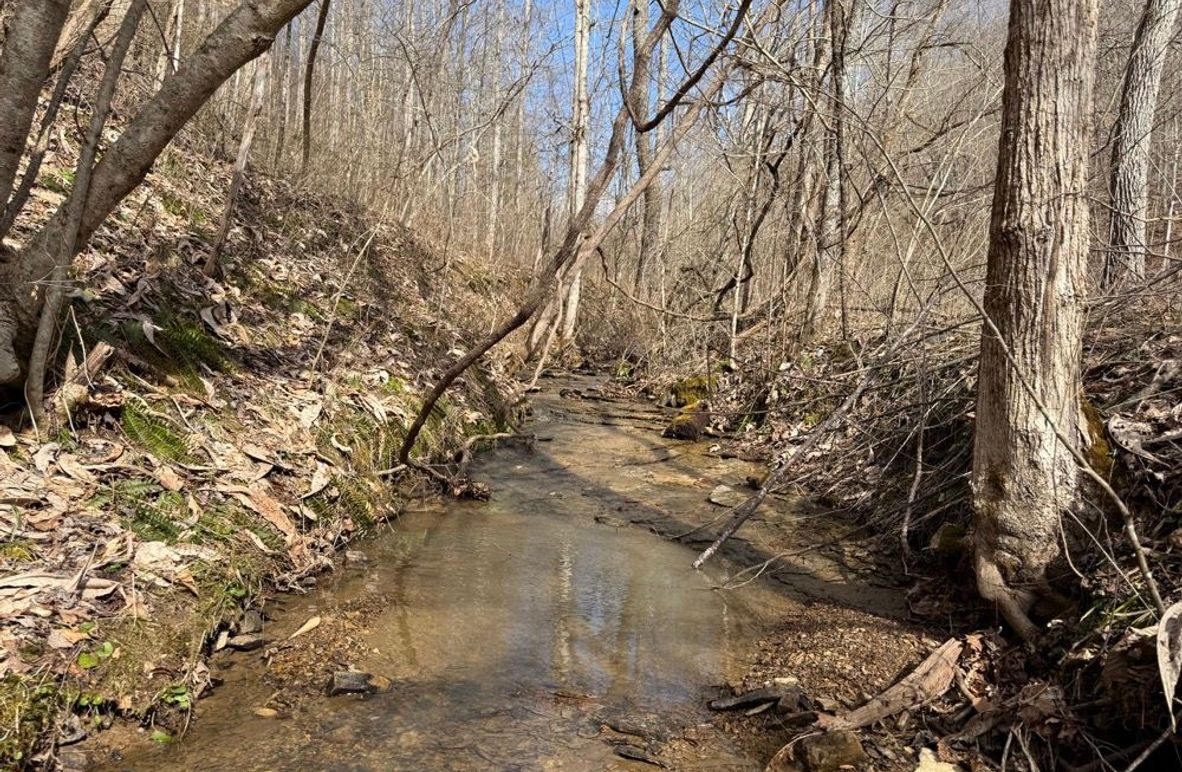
[
  {"x": 580, "y": 118},
  {"x": 1132, "y": 141},
  {"x": 247, "y": 31},
  {"x": 1024, "y": 477},
  {"x": 309, "y": 70},
  {"x": 258, "y": 92}
]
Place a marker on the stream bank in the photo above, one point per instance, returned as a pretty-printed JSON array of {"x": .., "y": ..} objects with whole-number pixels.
[{"x": 548, "y": 628}]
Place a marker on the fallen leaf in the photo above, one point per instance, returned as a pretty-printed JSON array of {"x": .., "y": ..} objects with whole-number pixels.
[
  {"x": 1169, "y": 655},
  {"x": 69, "y": 464},
  {"x": 169, "y": 479},
  {"x": 320, "y": 479},
  {"x": 306, "y": 627},
  {"x": 43, "y": 457},
  {"x": 310, "y": 414}
]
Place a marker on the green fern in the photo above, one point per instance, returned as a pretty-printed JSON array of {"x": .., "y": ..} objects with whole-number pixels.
[
  {"x": 147, "y": 509},
  {"x": 153, "y": 432},
  {"x": 359, "y": 500},
  {"x": 178, "y": 348}
]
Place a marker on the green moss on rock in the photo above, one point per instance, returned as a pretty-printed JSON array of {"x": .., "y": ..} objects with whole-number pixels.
[
  {"x": 689, "y": 423},
  {"x": 689, "y": 391}
]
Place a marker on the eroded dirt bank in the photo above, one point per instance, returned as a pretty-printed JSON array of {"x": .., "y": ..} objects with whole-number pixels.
[{"x": 548, "y": 628}]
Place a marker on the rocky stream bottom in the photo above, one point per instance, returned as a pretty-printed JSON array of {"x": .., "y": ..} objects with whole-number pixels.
[{"x": 560, "y": 626}]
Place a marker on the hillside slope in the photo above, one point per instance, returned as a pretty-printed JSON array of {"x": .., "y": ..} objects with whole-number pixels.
[{"x": 232, "y": 435}]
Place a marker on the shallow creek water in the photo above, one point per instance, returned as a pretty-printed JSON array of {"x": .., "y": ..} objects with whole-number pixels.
[{"x": 521, "y": 627}]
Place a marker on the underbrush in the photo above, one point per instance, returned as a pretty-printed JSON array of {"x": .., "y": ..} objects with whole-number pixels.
[{"x": 896, "y": 463}]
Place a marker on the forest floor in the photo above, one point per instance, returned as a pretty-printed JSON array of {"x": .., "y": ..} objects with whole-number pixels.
[{"x": 233, "y": 435}]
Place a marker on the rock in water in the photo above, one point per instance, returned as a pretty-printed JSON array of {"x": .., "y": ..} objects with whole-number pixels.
[
  {"x": 781, "y": 689},
  {"x": 252, "y": 622},
  {"x": 831, "y": 751},
  {"x": 726, "y": 496},
  {"x": 248, "y": 642},
  {"x": 354, "y": 682},
  {"x": 626, "y": 751},
  {"x": 689, "y": 423}
]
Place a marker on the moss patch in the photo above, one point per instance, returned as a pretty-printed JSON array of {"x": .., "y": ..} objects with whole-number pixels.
[
  {"x": 28, "y": 709},
  {"x": 694, "y": 389}
]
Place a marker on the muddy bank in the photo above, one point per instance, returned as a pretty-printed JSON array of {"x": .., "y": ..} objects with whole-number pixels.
[{"x": 557, "y": 625}]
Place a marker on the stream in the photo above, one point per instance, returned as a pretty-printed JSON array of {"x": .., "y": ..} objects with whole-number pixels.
[{"x": 540, "y": 630}]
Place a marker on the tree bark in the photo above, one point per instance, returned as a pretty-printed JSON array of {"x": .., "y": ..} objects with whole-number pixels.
[
  {"x": 309, "y": 70},
  {"x": 245, "y": 33},
  {"x": 1029, "y": 377},
  {"x": 1132, "y": 141},
  {"x": 258, "y": 93},
  {"x": 580, "y": 115},
  {"x": 827, "y": 257},
  {"x": 650, "y": 231},
  {"x": 74, "y": 207},
  {"x": 24, "y": 67}
]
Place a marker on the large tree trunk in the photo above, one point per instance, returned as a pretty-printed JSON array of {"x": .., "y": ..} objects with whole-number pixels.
[
  {"x": 1028, "y": 392},
  {"x": 245, "y": 33},
  {"x": 24, "y": 66},
  {"x": 830, "y": 248},
  {"x": 1132, "y": 141}
]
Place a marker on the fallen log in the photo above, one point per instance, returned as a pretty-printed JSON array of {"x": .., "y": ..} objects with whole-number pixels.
[{"x": 924, "y": 684}]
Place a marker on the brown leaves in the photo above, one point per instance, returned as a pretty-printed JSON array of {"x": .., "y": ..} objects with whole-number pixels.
[{"x": 258, "y": 498}]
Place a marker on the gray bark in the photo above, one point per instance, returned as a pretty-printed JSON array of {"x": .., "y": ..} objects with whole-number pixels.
[
  {"x": 1023, "y": 476},
  {"x": 1132, "y": 141},
  {"x": 650, "y": 232},
  {"x": 24, "y": 67}
]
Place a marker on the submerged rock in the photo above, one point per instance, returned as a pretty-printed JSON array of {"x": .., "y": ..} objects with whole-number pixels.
[
  {"x": 356, "y": 682},
  {"x": 248, "y": 642},
  {"x": 832, "y": 751},
  {"x": 252, "y": 622}
]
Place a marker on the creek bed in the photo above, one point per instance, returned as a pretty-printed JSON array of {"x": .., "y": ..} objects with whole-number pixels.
[{"x": 533, "y": 631}]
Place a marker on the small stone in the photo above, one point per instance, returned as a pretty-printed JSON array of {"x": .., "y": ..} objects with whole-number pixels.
[
  {"x": 252, "y": 622},
  {"x": 831, "y": 751},
  {"x": 266, "y": 712},
  {"x": 73, "y": 760},
  {"x": 350, "y": 682},
  {"x": 726, "y": 496},
  {"x": 222, "y": 639},
  {"x": 379, "y": 684},
  {"x": 246, "y": 642},
  {"x": 356, "y": 558},
  {"x": 929, "y": 763}
]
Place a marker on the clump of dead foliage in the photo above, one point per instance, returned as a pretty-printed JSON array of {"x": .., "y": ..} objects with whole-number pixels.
[{"x": 896, "y": 459}]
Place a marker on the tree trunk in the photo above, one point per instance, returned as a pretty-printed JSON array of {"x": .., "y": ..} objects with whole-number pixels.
[
  {"x": 321, "y": 19},
  {"x": 1029, "y": 378},
  {"x": 1132, "y": 141},
  {"x": 258, "y": 92},
  {"x": 580, "y": 116},
  {"x": 650, "y": 231},
  {"x": 245, "y": 33},
  {"x": 24, "y": 66}
]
